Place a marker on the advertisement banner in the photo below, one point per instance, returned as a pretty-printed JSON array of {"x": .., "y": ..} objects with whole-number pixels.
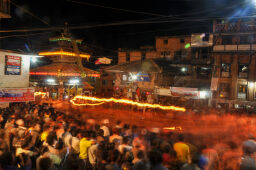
[
  {"x": 12, "y": 65},
  {"x": 17, "y": 94},
  {"x": 184, "y": 92}
]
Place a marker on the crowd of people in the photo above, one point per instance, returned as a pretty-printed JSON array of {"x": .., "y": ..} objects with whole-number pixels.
[{"x": 40, "y": 137}]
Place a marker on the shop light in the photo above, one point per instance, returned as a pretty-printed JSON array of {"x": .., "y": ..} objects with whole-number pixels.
[
  {"x": 33, "y": 59},
  {"x": 251, "y": 84},
  {"x": 203, "y": 94},
  {"x": 74, "y": 81},
  {"x": 134, "y": 77},
  {"x": 50, "y": 80}
]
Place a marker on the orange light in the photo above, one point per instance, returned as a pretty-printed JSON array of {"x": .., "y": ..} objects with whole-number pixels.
[
  {"x": 173, "y": 128},
  {"x": 62, "y": 74},
  {"x": 64, "y": 53},
  {"x": 124, "y": 101},
  {"x": 43, "y": 94}
]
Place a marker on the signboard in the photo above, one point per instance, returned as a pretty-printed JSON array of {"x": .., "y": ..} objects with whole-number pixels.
[
  {"x": 12, "y": 65},
  {"x": 184, "y": 92},
  {"x": 17, "y": 94},
  {"x": 214, "y": 84},
  {"x": 103, "y": 60}
]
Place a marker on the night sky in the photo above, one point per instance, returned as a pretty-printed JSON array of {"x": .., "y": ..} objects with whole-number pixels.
[{"x": 167, "y": 17}]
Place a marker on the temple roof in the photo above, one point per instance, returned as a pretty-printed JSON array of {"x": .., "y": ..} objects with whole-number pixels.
[{"x": 62, "y": 69}]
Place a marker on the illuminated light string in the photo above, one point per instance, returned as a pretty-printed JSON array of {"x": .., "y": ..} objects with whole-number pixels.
[
  {"x": 124, "y": 101},
  {"x": 61, "y": 74},
  {"x": 64, "y": 53}
]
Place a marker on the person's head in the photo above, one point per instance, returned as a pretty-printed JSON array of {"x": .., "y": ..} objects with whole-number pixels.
[
  {"x": 85, "y": 134},
  {"x": 72, "y": 161},
  {"x": 100, "y": 132},
  {"x": 181, "y": 137},
  {"x": 115, "y": 131},
  {"x": 51, "y": 138},
  {"x": 45, "y": 163},
  {"x": 140, "y": 154},
  {"x": 125, "y": 140},
  {"x": 114, "y": 155},
  {"x": 155, "y": 157}
]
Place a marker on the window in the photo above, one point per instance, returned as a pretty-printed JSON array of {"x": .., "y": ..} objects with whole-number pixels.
[
  {"x": 104, "y": 82},
  {"x": 246, "y": 39},
  {"x": 182, "y": 40},
  {"x": 225, "y": 70},
  {"x": 242, "y": 92},
  {"x": 224, "y": 90},
  {"x": 127, "y": 57},
  {"x": 203, "y": 72},
  {"x": 227, "y": 40},
  {"x": 166, "y": 41},
  {"x": 143, "y": 56},
  {"x": 243, "y": 70}
]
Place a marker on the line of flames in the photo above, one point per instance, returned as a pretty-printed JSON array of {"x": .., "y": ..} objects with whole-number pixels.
[
  {"x": 124, "y": 101},
  {"x": 43, "y": 94}
]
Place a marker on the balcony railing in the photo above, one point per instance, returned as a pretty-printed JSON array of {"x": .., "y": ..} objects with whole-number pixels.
[
  {"x": 235, "y": 27},
  {"x": 5, "y": 9},
  {"x": 244, "y": 47}
]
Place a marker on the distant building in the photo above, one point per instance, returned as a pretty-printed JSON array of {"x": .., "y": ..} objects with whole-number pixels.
[
  {"x": 183, "y": 62},
  {"x": 5, "y": 9},
  {"x": 233, "y": 82}
]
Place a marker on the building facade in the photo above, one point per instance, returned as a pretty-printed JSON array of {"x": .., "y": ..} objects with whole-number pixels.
[
  {"x": 14, "y": 75},
  {"x": 233, "y": 82}
]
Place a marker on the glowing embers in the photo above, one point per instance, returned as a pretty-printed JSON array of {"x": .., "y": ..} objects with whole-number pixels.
[
  {"x": 173, "y": 128},
  {"x": 43, "y": 94},
  {"x": 122, "y": 101}
]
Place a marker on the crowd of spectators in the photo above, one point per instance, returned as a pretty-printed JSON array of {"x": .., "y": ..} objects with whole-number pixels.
[{"x": 39, "y": 137}]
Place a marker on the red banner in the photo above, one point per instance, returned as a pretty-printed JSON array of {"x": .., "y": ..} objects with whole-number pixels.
[{"x": 17, "y": 94}]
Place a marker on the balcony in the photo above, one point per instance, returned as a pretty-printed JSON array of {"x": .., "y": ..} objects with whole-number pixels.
[
  {"x": 5, "y": 9},
  {"x": 235, "y": 27},
  {"x": 232, "y": 48}
]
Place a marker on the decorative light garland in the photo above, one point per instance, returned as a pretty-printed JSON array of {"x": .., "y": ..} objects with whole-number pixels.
[
  {"x": 124, "y": 101},
  {"x": 62, "y": 74},
  {"x": 64, "y": 53}
]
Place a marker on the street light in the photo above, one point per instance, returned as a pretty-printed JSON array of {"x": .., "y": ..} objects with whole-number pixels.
[
  {"x": 33, "y": 59},
  {"x": 183, "y": 69}
]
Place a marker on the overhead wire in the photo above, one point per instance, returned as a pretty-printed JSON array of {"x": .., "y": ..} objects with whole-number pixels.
[
  {"x": 30, "y": 13},
  {"x": 118, "y": 9}
]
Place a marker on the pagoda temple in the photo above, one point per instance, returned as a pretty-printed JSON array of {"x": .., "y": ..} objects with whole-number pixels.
[{"x": 65, "y": 76}]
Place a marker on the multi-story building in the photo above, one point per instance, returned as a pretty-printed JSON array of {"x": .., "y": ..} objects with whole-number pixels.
[
  {"x": 180, "y": 61},
  {"x": 233, "y": 81},
  {"x": 5, "y": 9}
]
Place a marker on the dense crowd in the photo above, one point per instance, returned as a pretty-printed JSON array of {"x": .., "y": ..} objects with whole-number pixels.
[{"x": 39, "y": 137}]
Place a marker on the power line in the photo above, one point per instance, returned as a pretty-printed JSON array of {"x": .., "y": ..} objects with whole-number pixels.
[
  {"x": 120, "y": 24},
  {"x": 30, "y": 13},
  {"x": 118, "y": 9},
  {"x": 23, "y": 35}
]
